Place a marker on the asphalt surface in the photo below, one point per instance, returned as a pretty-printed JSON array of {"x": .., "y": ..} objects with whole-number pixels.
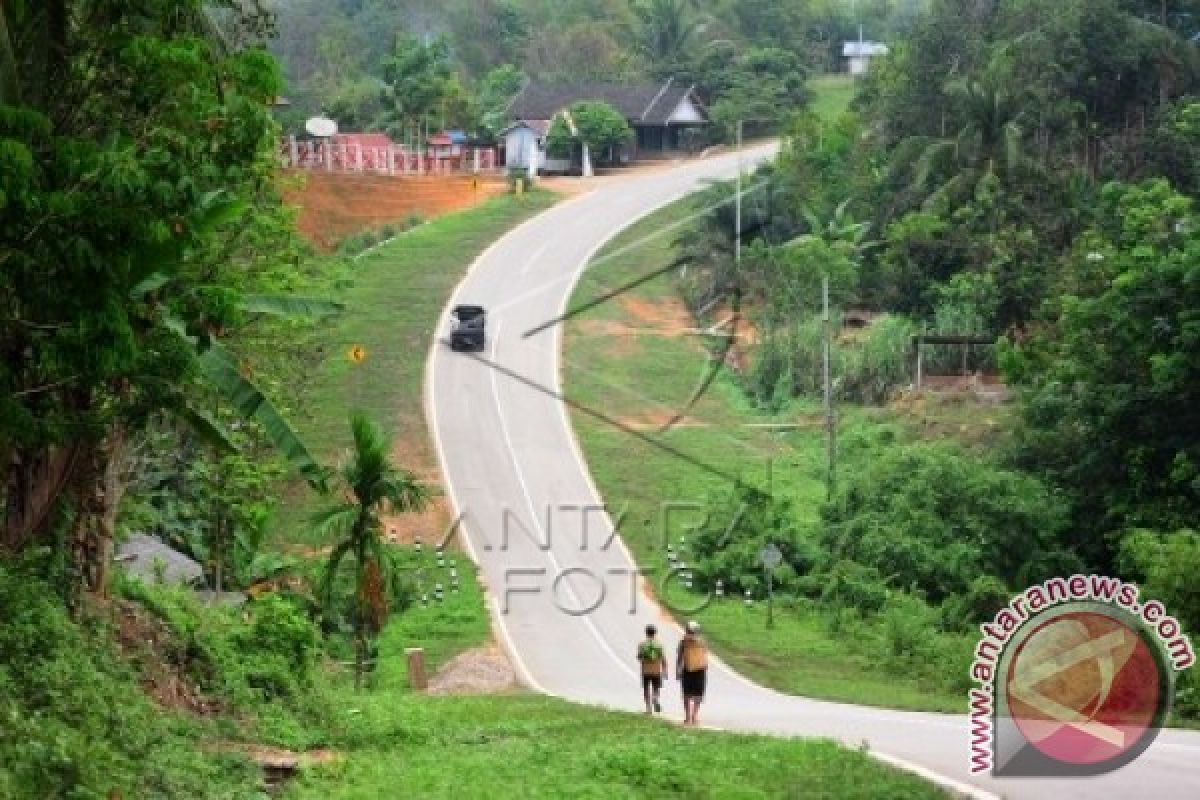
[{"x": 562, "y": 589}]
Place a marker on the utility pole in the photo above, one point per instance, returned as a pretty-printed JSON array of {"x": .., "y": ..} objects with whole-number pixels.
[
  {"x": 830, "y": 421},
  {"x": 737, "y": 204}
]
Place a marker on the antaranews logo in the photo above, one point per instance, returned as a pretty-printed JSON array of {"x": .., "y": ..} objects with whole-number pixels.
[{"x": 1076, "y": 676}]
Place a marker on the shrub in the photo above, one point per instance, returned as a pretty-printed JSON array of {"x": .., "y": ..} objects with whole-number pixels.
[
  {"x": 740, "y": 523},
  {"x": 927, "y": 516},
  {"x": 873, "y": 368},
  {"x": 76, "y": 724},
  {"x": 985, "y": 596},
  {"x": 267, "y": 650},
  {"x": 518, "y": 177},
  {"x": 1166, "y": 566},
  {"x": 852, "y": 585},
  {"x": 790, "y": 361}
]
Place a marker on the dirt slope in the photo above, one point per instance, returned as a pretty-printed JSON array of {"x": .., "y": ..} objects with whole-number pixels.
[{"x": 334, "y": 205}]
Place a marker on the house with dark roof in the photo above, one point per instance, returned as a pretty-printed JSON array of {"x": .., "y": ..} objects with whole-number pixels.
[{"x": 665, "y": 118}]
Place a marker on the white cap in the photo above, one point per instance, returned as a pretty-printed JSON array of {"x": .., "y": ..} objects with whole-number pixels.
[{"x": 693, "y": 626}]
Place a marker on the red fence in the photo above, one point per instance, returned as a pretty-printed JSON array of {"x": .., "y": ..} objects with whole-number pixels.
[{"x": 390, "y": 160}]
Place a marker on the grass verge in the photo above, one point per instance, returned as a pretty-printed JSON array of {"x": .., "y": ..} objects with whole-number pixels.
[
  {"x": 635, "y": 358},
  {"x": 532, "y": 747},
  {"x": 392, "y": 308},
  {"x": 831, "y": 94}
]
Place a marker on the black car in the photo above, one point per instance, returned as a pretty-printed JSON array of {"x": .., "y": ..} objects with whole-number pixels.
[{"x": 467, "y": 324}]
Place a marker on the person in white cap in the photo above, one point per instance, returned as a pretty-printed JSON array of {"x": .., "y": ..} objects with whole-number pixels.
[{"x": 691, "y": 668}]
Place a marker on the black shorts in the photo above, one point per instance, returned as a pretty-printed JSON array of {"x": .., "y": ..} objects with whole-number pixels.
[
  {"x": 652, "y": 682},
  {"x": 693, "y": 682}
]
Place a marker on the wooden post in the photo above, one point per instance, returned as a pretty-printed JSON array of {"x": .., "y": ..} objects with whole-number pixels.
[{"x": 416, "y": 667}]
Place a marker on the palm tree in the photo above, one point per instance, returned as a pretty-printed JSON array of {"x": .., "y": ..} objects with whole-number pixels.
[
  {"x": 666, "y": 31},
  {"x": 839, "y": 230},
  {"x": 988, "y": 144},
  {"x": 372, "y": 486}
]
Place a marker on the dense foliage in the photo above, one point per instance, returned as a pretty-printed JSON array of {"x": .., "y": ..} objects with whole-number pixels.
[
  {"x": 1020, "y": 171},
  {"x": 77, "y": 724},
  {"x": 747, "y": 59}
]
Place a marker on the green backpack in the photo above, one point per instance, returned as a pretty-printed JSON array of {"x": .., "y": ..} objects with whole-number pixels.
[{"x": 650, "y": 653}]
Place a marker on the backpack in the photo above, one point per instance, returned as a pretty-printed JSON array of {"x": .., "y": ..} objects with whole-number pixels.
[
  {"x": 650, "y": 653},
  {"x": 695, "y": 656}
]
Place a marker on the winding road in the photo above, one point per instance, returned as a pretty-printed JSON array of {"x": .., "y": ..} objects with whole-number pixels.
[{"x": 516, "y": 477}]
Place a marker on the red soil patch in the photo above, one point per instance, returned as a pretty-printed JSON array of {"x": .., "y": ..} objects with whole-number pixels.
[
  {"x": 334, "y": 205},
  {"x": 656, "y": 419},
  {"x": 666, "y": 315}
]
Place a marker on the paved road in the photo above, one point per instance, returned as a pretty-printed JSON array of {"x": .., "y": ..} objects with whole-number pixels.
[{"x": 514, "y": 471}]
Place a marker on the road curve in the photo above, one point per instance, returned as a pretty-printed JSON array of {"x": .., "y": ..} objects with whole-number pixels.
[{"x": 515, "y": 475}]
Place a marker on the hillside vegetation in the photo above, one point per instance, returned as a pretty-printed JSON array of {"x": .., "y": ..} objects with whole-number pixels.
[{"x": 981, "y": 183}]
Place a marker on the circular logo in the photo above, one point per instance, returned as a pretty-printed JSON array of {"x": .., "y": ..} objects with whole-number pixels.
[{"x": 1085, "y": 686}]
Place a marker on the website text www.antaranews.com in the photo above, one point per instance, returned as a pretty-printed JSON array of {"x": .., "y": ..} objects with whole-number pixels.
[{"x": 1036, "y": 599}]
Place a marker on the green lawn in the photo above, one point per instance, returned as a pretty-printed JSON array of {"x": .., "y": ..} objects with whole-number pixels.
[
  {"x": 831, "y": 94},
  {"x": 641, "y": 378},
  {"x": 397, "y": 295},
  {"x": 394, "y": 743},
  {"x": 532, "y": 747}
]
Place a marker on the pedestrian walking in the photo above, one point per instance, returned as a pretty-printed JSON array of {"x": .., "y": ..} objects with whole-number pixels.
[
  {"x": 653, "y": 660},
  {"x": 691, "y": 668}
]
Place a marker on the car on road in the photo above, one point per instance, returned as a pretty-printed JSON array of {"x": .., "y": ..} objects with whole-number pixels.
[{"x": 468, "y": 328}]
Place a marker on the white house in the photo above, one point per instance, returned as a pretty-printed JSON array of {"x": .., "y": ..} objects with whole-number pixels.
[
  {"x": 858, "y": 55},
  {"x": 665, "y": 118}
]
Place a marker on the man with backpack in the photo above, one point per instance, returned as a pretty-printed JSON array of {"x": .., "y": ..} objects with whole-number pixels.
[
  {"x": 691, "y": 668},
  {"x": 653, "y": 660}
]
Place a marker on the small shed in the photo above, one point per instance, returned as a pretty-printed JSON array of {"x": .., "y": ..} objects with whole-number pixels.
[
  {"x": 522, "y": 138},
  {"x": 858, "y": 55}
]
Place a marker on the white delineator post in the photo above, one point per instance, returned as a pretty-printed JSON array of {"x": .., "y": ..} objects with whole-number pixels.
[{"x": 587, "y": 161}]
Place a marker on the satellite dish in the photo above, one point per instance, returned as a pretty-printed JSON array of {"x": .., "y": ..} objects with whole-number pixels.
[{"x": 321, "y": 127}]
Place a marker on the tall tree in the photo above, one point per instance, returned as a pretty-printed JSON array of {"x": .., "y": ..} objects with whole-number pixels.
[
  {"x": 666, "y": 32},
  {"x": 114, "y": 292},
  {"x": 948, "y": 170}
]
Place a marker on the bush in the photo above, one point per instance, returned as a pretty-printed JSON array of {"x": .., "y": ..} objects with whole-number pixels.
[
  {"x": 1166, "y": 566},
  {"x": 851, "y": 585},
  {"x": 266, "y": 650},
  {"x": 790, "y": 361},
  {"x": 873, "y": 368},
  {"x": 740, "y": 523},
  {"x": 929, "y": 517},
  {"x": 518, "y": 177},
  {"x": 76, "y": 723},
  {"x": 985, "y": 596}
]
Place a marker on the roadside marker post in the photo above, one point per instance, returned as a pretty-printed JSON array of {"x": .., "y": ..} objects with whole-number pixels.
[{"x": 770, "y": 558}]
